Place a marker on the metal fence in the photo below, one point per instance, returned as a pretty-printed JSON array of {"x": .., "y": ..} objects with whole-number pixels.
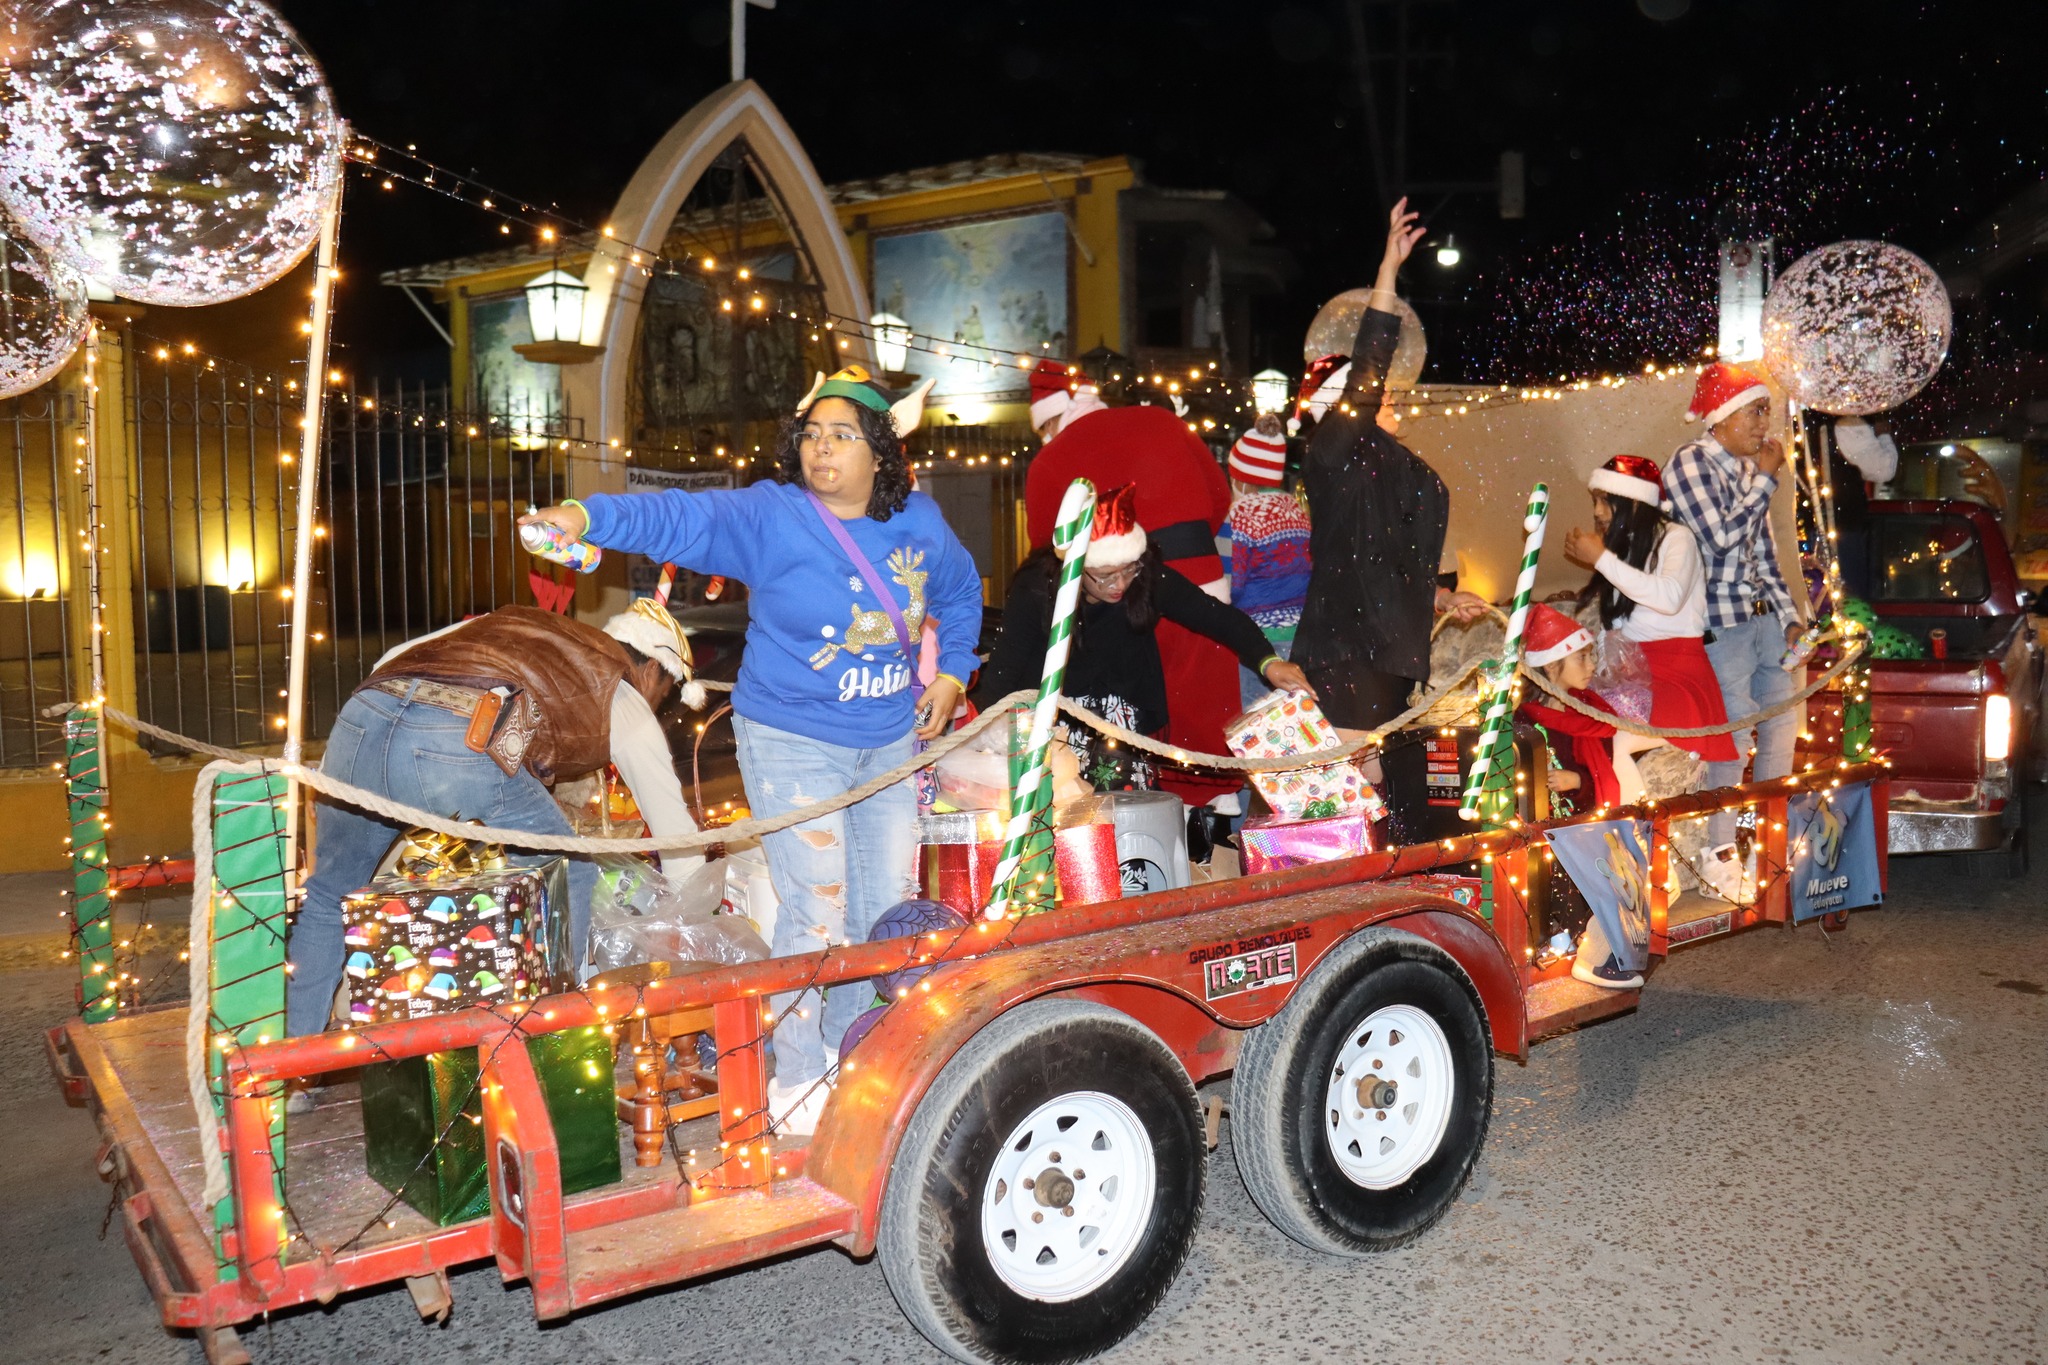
[{"x": 38, "y": 431}]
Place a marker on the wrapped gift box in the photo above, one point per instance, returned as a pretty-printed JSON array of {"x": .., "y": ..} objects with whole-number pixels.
[
  {"x": 1284, "y": 723},
  {"x": 423, "y": 1134},
  {"x": 416, "y": 946},
  {"x": 1084, "y": 852},
  {"x": 957, "y": 856},
  {"x": 1271, "y": 843}
]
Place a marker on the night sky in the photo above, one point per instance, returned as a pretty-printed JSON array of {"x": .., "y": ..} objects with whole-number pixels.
[{"x": 1642, "y": 123}]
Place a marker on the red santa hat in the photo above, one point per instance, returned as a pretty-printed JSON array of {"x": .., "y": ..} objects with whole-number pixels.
[
  {"x": 1324, "y": 384},
  {"x": 1724, "y": 387},
  {"x": 1259, "y": 459},
  {"x": 1551, "y": 635},
  {"x": 1053, "y": 384},
  {"x": 1630, "y": 476},
  {"x": 1116, "y": 538}
]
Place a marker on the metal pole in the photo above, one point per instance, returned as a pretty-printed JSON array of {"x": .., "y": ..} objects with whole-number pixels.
[{"x": 309, "y": 494}]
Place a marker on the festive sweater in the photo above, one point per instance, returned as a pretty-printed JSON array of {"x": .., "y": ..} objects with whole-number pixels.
[
  {"x": 1268, "y": 538},
  {"x": 822, "y": 658}
]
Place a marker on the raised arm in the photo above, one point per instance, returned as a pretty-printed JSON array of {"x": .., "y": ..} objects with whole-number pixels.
[{"x": 1372, "y": 354}]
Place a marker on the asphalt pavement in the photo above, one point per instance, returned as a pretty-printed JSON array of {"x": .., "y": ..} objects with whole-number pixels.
[{"x": 1798, "y": 1149}]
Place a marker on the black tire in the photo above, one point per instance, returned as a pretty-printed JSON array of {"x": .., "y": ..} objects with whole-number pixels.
[
  {"x": 1280, "y": 1119},
  {"x": 930, "y": 1238}
]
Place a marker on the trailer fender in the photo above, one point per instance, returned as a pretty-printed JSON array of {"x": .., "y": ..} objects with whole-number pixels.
[{"x": 1475, "y": 948}]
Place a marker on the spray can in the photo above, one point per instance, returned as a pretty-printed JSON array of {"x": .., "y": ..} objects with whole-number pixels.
[
  {"x": 1937, "y": 643},
  {"x": 1801, "y": 649},
  {"x": 552, "y": 543}
]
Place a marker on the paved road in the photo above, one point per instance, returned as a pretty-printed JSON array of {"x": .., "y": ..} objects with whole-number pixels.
[{"x": 1797, "y": 1150}]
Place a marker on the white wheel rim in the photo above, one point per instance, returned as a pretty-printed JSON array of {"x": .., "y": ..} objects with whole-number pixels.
[
  {"x": 1069, "y": 1197},
  {"x": 1389, "y": 1098}
]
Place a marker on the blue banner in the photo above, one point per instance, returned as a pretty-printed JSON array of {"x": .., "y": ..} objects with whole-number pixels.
[
  {"x": 1609, "y": 861},
  {"x": 1833, "y": 844}
]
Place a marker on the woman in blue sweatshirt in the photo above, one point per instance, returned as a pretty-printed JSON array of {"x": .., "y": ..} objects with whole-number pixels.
[{"x": 823, "y": 701}]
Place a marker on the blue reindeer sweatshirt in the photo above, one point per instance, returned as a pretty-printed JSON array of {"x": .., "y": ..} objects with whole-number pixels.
[{"x": 822, "y": 659}]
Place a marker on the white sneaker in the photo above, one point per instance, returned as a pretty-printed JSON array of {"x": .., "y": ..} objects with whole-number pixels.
[
  {"x": 794, "y": 1111},
  {"x": 1724, "y": 875}
]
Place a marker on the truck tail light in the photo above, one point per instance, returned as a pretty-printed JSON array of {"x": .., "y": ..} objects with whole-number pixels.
[{"x": 1997, "y": 727}]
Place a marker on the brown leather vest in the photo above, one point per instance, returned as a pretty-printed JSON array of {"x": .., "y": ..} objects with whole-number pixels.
[{"x": 566, "y": 669}]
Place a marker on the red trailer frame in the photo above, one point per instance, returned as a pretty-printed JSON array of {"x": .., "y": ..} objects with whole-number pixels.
[{"x": 756, "y": 1196}]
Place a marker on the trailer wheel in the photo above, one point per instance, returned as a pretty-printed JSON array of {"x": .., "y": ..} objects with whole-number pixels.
[
  {"x": 1361, "y": 1106},
  {"x": 1048, "y": 1188}
]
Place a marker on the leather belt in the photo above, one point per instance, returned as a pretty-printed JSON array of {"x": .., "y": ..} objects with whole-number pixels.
[
  {"x": 1185, "y": 540},
  {"x": 461, "y": 700}
]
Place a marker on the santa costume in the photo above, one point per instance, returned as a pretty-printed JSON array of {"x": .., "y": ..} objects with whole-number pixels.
[
  {"x": 1181, "y": 500},
  {"x": 1579, "y": 743},
  {"x": 1661, "y": 604}
]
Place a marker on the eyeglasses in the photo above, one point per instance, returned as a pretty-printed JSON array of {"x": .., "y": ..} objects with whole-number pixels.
[
  {"x": 834, "y": 442},
  {"x": 1110, "y": 578}
]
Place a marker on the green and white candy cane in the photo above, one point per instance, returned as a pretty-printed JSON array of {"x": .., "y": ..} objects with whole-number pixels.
[
  {"x": 1496, "y": 729},
  {"x": 1034, "y": 788}
]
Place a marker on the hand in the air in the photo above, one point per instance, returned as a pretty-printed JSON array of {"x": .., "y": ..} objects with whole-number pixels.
[
  {"x": 1583, "y": 547},
  {"x": 1404, "y": 230},
  {"x": 1287, "y": 675}
]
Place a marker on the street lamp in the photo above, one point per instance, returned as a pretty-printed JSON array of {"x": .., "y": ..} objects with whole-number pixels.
[
  {"x": 1448, "y": 254},
  {"x": 892, "y": 342},
  {"x": 1269, "y": 390},
  {"x": 564, "y": 320}
]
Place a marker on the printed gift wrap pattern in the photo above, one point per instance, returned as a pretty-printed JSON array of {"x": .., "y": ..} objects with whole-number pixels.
[
  {"x": 416, "y": 948},
  {"x": 1284, "y": 723}
]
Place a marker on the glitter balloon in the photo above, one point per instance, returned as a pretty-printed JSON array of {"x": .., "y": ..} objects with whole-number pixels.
[
  {"x": 1857, "y": 327},
  {"x": 42, "y": 314},
  {"x": 1335, "y": 332},
  {"x": 177, "y": 151}
]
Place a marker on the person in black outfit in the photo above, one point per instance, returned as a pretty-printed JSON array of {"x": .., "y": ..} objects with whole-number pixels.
[
  {"x": 1113, "y": 665},
  {"x": 1378, "y": 514}
]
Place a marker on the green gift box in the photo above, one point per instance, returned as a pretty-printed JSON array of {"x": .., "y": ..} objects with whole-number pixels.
[{"x": 423, "y": 1122}]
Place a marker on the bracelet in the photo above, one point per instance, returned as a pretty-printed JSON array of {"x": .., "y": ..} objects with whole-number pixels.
[
  {"x": 1268, "y": 662},
  {"x": 948, "y": 677},
  {"x": 572, "y": 502}
]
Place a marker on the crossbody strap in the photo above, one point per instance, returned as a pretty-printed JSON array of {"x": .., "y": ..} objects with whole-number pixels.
[{"x": 874, "y": 582}]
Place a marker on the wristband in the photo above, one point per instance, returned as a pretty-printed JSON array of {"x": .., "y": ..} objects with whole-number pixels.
[
  {"x": 571, "y": 502},
  {"x": 948, "y": 677},
  {"x": 1268, "y": 662}
]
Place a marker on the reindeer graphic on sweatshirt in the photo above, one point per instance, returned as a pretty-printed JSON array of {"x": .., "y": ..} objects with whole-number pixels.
[{"x": 870, "y": 628}]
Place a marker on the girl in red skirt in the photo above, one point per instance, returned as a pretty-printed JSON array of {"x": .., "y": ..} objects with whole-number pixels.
[{"x": 1652, "y": 589}]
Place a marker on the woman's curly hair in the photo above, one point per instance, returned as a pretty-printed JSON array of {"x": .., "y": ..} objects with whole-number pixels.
[{"x": 878, "y": 429}]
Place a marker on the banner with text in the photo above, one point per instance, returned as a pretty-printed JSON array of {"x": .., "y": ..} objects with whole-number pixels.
[
  {"x": 1834, "y": 852},
  {"x": 1609, "y": 861}
]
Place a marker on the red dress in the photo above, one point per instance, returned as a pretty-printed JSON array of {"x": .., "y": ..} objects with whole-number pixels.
[
  {"x": 1685, "y": 694},
  {"x": 1182, "y": 499}
]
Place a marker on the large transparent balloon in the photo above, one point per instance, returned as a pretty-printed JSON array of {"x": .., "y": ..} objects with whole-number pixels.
[
  {"x": 176, "y": 151},
  {"x": 1335, "y": 332},
  {"x": 1856, "y": 328},
  {"x": 42, "y": 314}
]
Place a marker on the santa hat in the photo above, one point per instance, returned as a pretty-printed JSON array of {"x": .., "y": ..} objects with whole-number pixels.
[
  {"x": 1551, "y": 635},
  {"x": 1259, "y": 458},
  {"x": 856, "y": 385},
  {"x": 1053, "y": 384},
  {"x": 1724, "y": 388},
  {"x": 1632, "y": 477},
  {"x": 1324, "y": 384},
  {"x": 650, "y": 629},
  {"x": 1116, "y": 538}
]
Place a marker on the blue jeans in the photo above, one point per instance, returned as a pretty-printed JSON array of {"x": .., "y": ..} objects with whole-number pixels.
[
  {"x": 415, "y": 754},
  {"x": 1745, "y": 660},
  {"x": 835, "y": 875}
]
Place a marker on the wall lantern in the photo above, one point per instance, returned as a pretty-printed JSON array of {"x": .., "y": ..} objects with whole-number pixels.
[
  {"x": 564, "y": 318},
  {"x": 892, "y": 342},
  {"x": 1270, "y": 390}
]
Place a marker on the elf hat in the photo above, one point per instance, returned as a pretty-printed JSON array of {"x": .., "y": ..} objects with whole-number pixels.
[
  {"x": 1551, "y": 635},
  {"x": 856, "y": 385},
  {"x": 1631, "y": 477},
  {"x": 1116, "y": 538},
  {"x": 1259, "y": 458},
  {"x": 1324, "y": 384},
  {"x": 650, "y": 629},
  {"x": 1723, "y": 389},
  {"x": 1053, "y": 384}
]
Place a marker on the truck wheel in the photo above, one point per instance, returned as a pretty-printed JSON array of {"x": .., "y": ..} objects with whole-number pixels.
[
  {"x": 1048, "y": 1188},
  {"x": 1361, "y": 1106}
]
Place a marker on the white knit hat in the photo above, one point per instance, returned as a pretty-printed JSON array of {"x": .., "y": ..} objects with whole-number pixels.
[{"x": 650, "y": 629}]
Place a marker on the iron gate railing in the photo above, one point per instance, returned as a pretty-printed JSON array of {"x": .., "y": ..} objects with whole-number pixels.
[{"x": 39, "y": 430}]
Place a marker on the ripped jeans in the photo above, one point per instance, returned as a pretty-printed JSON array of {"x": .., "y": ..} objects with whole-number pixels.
[{"x": 835, "y": 875}]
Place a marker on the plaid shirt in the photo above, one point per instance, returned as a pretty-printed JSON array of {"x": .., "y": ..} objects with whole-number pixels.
[{"x": 1726, "y": 503}]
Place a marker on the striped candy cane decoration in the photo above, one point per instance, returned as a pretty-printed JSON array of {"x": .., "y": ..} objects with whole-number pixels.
[
  {"x": 1034, "y": 787},
  {"x": 1495, "y": 731}
]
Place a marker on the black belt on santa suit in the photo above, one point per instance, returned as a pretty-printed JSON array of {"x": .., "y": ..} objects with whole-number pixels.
[
  {"x": 501, "y": 721},
  {"x": 1184, "y": 540}
]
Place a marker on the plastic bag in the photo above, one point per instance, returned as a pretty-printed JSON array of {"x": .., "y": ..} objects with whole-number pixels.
[
  {"x": 641, "y": 914},
  {"x": 1621, "y": 674},
  {"x": 976, "y": 776}
]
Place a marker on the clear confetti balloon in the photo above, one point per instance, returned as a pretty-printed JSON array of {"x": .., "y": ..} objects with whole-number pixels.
[
  {"x": 177, "y": 151},
  {"x": 1335, "y": 332},
  {"x": 1856, "y": 328},
  {"x": 42, "y": 314}
]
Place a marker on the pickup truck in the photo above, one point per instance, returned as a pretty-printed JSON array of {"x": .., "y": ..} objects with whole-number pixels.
[{"x": 1964, "y": 732}]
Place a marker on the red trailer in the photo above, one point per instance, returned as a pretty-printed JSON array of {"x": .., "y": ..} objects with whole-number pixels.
[{"x": 1019, "y": 1139}]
